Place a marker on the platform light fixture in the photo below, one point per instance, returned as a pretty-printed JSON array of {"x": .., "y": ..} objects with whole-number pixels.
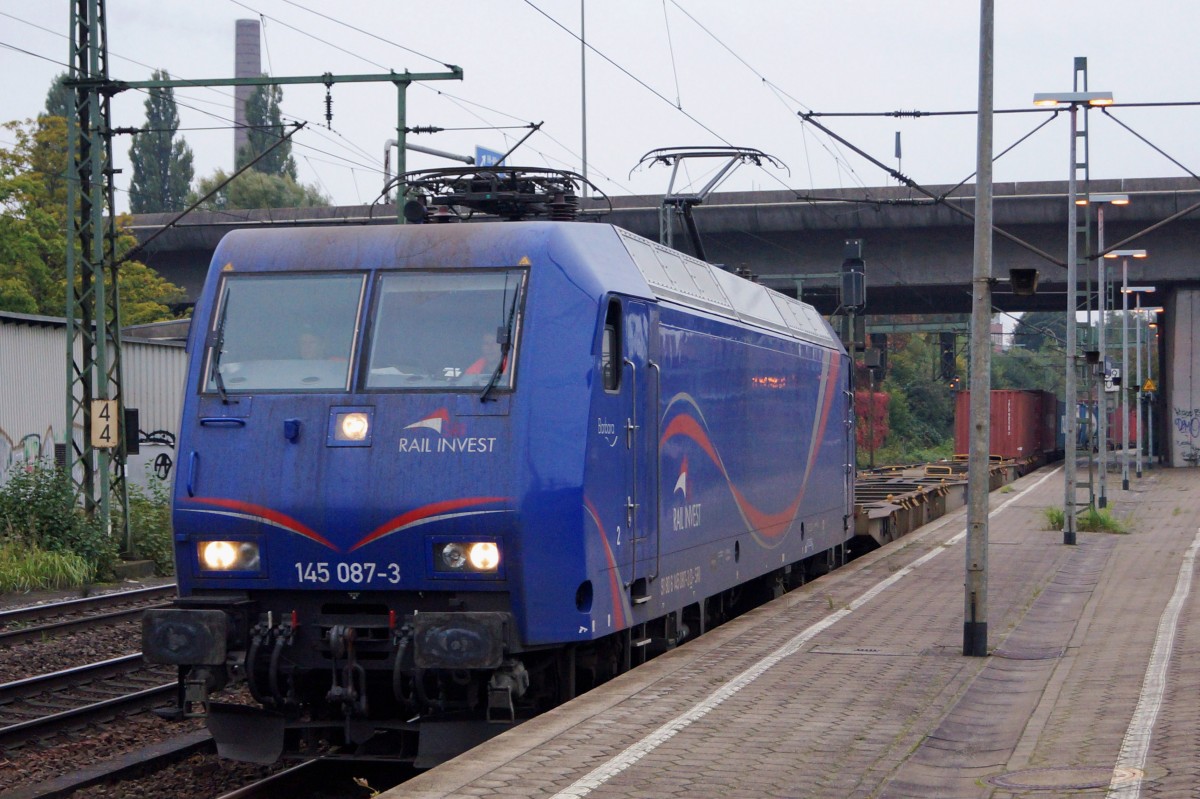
[
  {"x": 1101, "y": 199},
  {"x": 1138, "y": 291},
  {"x": 1125, "y": 255},
  {"x": 1074, "y": 100},
  {"x": 1056, "y": 99},
  {"x": 1149, "y": 392}
]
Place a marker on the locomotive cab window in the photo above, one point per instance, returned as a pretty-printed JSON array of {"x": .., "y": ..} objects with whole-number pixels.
[
  {"x": 610, "y": 348},
  {"x": 283, "y": 333},
  {"x": 452, "y": 330}
]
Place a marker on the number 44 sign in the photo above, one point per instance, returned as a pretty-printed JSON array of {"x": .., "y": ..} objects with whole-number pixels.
[{"x": 105, "y": 432}]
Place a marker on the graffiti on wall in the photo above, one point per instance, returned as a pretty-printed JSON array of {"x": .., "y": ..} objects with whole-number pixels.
[
  {"x": 29, "y": 448},
  {"x": 162, "y": 461},
  {"x": 1185, "y": 423}
]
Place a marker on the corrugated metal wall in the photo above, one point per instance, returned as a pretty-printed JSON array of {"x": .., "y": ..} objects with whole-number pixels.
[
  {"x": 154, "y": 379},
  {"x": 33, "y": 379},
  {"x": 33, "y": 407},
  {"x": 1183, "y": 385}
]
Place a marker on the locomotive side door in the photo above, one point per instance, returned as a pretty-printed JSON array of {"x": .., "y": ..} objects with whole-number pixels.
[
  {"x": 641, "y": 439},
  {"x": 623, "y": 460}
]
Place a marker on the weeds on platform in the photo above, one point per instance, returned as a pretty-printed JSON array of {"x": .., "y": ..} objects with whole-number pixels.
[
  {"x": 45, "y": 535},
  {"x": 150, "y": 524},
  {"x": 1092, "y": 520},
  {"x": 27, "y": 568}
]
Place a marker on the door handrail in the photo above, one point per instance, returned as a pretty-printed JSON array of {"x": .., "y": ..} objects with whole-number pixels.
[{"x": 657, "y": 467}]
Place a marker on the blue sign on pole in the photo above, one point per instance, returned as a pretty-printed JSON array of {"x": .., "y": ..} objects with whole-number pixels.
[{"x": 486, "y": 157}]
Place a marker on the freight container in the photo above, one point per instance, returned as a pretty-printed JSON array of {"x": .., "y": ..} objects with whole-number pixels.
[{"x": 1017, "y": 424}]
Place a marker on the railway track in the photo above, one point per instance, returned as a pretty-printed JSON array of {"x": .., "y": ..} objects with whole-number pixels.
[
  {"x": 53, "y": 618},
  {"x": 45, "y": 705}
]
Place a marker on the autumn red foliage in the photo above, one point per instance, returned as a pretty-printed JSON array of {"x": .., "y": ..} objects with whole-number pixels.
[{"x": 872, "y": 411}]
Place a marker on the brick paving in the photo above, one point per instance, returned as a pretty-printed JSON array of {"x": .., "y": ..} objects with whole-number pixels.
[{"x": 876, "y": 700}]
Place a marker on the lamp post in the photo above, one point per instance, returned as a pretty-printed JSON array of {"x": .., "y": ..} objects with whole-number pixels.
[
  {"x": 1074, "y": 100},
  {"x": 1137, "y": 386},
  {"x": 1102, "y": 387},
  {"x": 1151, "y": 349},
  {"x": 1125, "y": 255},
  {"x": 975, "y": 595},
  {"x": 1137, "y": 320}
]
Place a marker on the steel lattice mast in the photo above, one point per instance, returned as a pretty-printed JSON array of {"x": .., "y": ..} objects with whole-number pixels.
[{"x": 95, "y": 450}]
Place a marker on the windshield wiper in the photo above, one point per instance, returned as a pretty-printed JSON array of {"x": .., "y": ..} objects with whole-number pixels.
[
  {"x": 505, "y": 340},
  {"x": 217, "y": 343}
]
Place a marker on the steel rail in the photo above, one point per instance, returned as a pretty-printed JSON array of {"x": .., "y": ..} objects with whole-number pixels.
[
  {"x": 43, "y": 726},
  {"x": 35, "y": 612},
  {"x": 52, "y": 681},
  {"x": 23, "y": 615}
]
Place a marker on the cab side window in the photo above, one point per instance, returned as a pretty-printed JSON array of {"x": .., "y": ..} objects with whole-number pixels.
[{"x": 610, "y": 348}]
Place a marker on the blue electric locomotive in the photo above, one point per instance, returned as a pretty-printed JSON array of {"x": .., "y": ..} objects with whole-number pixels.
[{"x": 436, "y": 476}]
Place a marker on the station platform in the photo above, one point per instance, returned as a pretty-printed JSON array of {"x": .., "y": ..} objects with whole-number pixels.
[{"x": 855, "y": 685}]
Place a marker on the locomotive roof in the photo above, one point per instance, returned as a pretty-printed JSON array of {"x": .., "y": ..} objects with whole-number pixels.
[
  {"x": 674, "y": 276},
  {"x": 669, "y": 275}
]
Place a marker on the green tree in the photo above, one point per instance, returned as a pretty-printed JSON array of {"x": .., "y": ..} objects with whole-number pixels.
[
  {"x": 271, "y": 182},
  {"x": 921, "y": 411},
  {"x": 254, "y": 189},
  {"x": 33, "y": 217},
  {"x": 162, "y": 164},
  {"x": 146, "y": 296},
  {"x": 265, "y": 123},
  {"x": 1037, "y": 328},
  {"x": 60, "y": 101},
  {"x": 33, "y": 224},
  {"x": 1021, "y": 368}
]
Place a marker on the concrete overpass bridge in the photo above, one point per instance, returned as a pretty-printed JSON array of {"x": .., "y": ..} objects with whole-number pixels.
[{"x": 918, "y": 253}]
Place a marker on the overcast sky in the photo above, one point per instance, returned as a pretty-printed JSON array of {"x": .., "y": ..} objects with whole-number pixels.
[{"x": 663, "y": 73}]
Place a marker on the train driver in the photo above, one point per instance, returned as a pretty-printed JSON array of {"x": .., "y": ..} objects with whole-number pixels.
[{"x": 489, "y": 355}]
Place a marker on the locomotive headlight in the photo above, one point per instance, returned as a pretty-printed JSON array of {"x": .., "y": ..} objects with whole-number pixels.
[
  {"x": 228, "y": 556},
  {"x": 477, "y": 558},
  {"x": 352, "y": 426},
  {"x": 454, "y": 556},
  {"x": 484, "y": 556},
  {"x": 218, "y": 555},
  {"x": 349, "y": 426}
]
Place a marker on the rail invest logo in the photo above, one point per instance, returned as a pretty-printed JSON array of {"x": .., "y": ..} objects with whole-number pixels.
[
  {"x": 438, "y": 433},
  {"x": 686, "y": 514}
]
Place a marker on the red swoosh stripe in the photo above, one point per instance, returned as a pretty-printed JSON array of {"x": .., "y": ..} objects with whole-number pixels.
[
  {"x": 613, "y": 571},
  {"x": 684, "y": 425},
  {"x": 267, "y": 516},
  {"x": 831, "y": 386},
  {"x": 769, "y": 524},
  {"x": 424, "y": 512}
]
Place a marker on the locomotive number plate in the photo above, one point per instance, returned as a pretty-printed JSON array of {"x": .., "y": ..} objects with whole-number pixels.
[{"x": 320, "y": 573}]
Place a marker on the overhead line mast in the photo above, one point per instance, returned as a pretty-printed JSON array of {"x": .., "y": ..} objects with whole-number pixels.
[
  {"x": 93, "y": 309},
  {"x": 95, "y": 458}
]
